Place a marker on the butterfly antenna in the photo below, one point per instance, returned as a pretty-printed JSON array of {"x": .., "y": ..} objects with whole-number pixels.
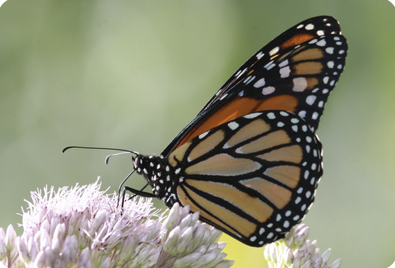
[
  {"x": 123, "y": 151},
  {"x": 111, "y": 155},
  {"x": 100, "y": 148}
]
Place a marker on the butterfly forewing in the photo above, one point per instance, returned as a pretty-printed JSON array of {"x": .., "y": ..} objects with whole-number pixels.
[
  {"x": 295, "y": 72},
  {"x": 256, "y": 171}
]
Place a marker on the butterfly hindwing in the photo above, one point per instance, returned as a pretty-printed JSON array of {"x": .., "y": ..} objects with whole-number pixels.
[{"x": 256, "y": 171}]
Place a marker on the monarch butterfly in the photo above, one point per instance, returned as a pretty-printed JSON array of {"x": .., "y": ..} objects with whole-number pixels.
[{"x": 250, "y": 161}]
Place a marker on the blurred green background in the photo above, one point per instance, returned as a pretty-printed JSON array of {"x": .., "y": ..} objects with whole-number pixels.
[{"x": 132, "y": 74}]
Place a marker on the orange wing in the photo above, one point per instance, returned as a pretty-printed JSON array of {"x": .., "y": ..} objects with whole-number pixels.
[
  {"x": 295, "y": 72},
  {"x": 253, "y": 177},
  {"x": 250, "y": 161}
]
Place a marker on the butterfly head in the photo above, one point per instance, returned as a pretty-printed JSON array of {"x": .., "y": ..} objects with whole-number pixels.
[{"x": 158, "y": 176}]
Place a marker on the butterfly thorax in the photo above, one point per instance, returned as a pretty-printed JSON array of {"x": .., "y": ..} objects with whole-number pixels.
[{"x": 158, "y": 175}]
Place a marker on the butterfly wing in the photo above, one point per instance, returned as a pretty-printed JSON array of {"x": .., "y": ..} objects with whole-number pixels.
[
  {"x": 253, "y": 177},
  {"x": 295, "y": 72},
  {"x": 250, "y": 161}
]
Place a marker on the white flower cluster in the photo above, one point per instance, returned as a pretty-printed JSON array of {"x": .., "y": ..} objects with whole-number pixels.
[
  {"x": 295, "y": 251},
  {"x": 84, "y": 227}
]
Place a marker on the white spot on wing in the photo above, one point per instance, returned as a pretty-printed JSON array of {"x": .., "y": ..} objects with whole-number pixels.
[
  {"x": 312, "y": 181},
  {"x": 302, "y": 114},
  {"x": 271, "y": 115},
  {"x": 300, "y": 190},
  {"x": 249, "y": 79},
  {"x": 321, "y": 43},
  {"x": 325, "y": 80},
  {"x": 309, "y": 26},
  {"x": 300, "y": 84},
  {"x": 268, "y": 90},
  {"x": 226, "y": 146},
  {"x": 283, "y": 63},
  {"x": 251, "y": 116},
  {"x": 284, "y": 72},
  {"x": 274, "y": 51},
  {"x": 233, "y": 125},
  {"x": 269, "y": 66},
  {"x": 311, "y": 99},
  {"x": 260, "y": 55},
  {"x": 313, "y": 166},
  {"x": 245, "y": 69},
  {"x": 204, "y": 134},
  {"x": 223, "y": 96},
  {"x": 329, "y": 50},
  {"x": 260, "y": 83}
]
